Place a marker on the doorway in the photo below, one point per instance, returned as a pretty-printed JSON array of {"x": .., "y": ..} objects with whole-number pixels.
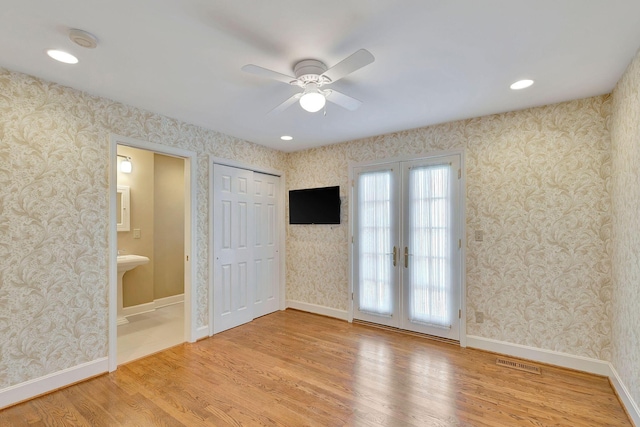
[
  {"x": 159, "y": 225},
  {"x": 407, "y": 246}
]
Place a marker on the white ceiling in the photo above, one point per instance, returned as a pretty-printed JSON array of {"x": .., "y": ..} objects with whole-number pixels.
[{"x": 436, "y": 60}]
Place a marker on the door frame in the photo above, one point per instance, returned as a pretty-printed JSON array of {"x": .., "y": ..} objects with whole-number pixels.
[
  {"x": 190, "y": 238},
  {"x": 463, "y": 226},
  {"x": 281, "y": 234}
]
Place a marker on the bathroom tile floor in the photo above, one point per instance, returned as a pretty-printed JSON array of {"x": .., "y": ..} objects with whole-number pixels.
[{"x": 148, "y": 333}]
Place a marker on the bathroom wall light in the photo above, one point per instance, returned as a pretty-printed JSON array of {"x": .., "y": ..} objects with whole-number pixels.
[{"x": 125, "y": 165}]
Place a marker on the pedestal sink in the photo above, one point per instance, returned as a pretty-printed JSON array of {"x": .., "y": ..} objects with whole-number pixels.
[{"x": 126, "y": 263}]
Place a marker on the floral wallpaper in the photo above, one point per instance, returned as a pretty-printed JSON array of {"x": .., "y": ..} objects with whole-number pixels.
[
  {"x": 54, "y": 217},
  {"x": 537, "y": 184},
  {"x": 625, "y": 137}
]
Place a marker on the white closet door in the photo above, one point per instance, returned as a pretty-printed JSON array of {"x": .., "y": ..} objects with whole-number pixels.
[
  {"x": 234, "y": 276},
  {"x": 266, "y": 244},
  {"x": 376, "y": 245}
]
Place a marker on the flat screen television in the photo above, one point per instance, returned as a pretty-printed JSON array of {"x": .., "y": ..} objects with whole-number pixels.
[{"x": 315, "y": 206}]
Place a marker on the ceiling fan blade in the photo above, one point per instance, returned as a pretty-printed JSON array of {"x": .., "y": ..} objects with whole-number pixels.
[
  {"x": 286, "y": 104},
  {"x": 349, "y": 65},
  {"x": 263, "y": 72},
  {"x": 345, "y": 101}
]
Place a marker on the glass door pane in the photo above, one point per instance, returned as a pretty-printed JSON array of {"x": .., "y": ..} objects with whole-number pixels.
[
  {"x": 430, "y": 237},
  {"x": 376, "y": 285},
  {"x": 376, "y": 281},
  {"x": 429, "y": 229}
]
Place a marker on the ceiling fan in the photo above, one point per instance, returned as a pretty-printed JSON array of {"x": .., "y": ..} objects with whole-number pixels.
[{"x": 311, "y": 75}]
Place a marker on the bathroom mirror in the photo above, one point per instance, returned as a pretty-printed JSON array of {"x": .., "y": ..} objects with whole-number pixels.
[{"x": 123, "y": 218}]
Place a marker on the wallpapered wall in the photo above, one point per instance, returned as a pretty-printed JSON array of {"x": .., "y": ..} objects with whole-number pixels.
[
  {"x": 54, "y": 217},
  {"x": 625, "y": 139},
  {"x": 537, "y": 184}
]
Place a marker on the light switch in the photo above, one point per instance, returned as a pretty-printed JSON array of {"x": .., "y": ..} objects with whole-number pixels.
[
  {"x": 136, "y": 233},
  {"x": 479, "y": 236}
]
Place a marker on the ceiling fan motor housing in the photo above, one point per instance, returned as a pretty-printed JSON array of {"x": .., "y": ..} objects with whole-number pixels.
[{"x": 310, "y": 71}]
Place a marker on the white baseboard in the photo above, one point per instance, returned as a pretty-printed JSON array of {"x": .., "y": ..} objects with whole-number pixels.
[
  {"x": 318, "y": 309},
  {"x": 138, "y": 309},
  {"x": 151, "y": 306},
  {"x": 625, "y": 397},
  {"x": 564, "y": 360},
  {"x": 556, "y": 358},
  {"x": 163, "y": 302},
  {"x": 38, "y": 386},
  {"x": 202, "y": 332}
]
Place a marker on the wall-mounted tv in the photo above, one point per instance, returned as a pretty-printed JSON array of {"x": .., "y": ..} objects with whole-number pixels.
[{"x": 315, "y": 206}]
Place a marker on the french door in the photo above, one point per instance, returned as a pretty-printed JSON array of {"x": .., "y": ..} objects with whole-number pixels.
[
  {"x": 246, "y": 263},
  {"x": 406, "y": 247}
]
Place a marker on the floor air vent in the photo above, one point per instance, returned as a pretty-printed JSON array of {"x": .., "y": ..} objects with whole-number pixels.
[{"x": 518, "y": 365}]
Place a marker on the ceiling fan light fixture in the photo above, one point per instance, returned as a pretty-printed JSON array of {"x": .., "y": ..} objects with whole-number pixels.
[{"x": 312, "y": 99}]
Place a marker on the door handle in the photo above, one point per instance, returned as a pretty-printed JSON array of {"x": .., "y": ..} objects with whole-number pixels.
[
  {"x": 395, "y": 256},
  {"x": 406, "y": 257}
]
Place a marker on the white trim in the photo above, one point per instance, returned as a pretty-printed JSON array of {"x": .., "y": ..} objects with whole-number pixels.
[
  {"x": 556, "y": 358},
  {"x": 463, "y": 255},
  {"x": 408, "y": 157},
  {"x": 190, "y": 247},
  {"x": 247, "y": 166},
  {"x": 152, "y": 306},
  {"x": 163, "y": 302},
  {"x": 284, "y": 202},
  {"x": 113, "y": 256},
  {"x": 38, "y": 386},
  {"x": 202, "y": 332},
  {"x": 350, "y": 238},
  {"x": 318, "y": 309},
  {"x": 138, "y": 309},
  {"x": 625, "y": 397}
]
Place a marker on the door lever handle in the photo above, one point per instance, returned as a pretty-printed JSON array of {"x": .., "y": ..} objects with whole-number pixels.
[{"x": 406, "y": 257}]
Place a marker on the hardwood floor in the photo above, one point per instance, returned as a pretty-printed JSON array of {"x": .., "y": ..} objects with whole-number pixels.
[{"x": 298, "y": 369}]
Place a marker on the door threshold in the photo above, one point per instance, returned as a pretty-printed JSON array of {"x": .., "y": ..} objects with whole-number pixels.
[{"x": 407, "y": 332}]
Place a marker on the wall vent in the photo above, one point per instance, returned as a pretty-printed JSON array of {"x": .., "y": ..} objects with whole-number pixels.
[{"x": 514, "y": 364}]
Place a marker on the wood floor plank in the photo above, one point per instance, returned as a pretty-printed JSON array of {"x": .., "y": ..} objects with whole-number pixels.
[{"x": 297, "y": 369}]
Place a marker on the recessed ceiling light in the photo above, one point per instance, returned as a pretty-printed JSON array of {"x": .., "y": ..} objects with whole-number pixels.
[
  {"x": 286, "y": 138},
  {"x": 62, "y": 56},
  {"x": 521, "y": 84}
]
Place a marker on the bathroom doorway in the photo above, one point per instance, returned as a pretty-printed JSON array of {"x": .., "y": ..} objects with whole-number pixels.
[{"x": 152, "y": 205}]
